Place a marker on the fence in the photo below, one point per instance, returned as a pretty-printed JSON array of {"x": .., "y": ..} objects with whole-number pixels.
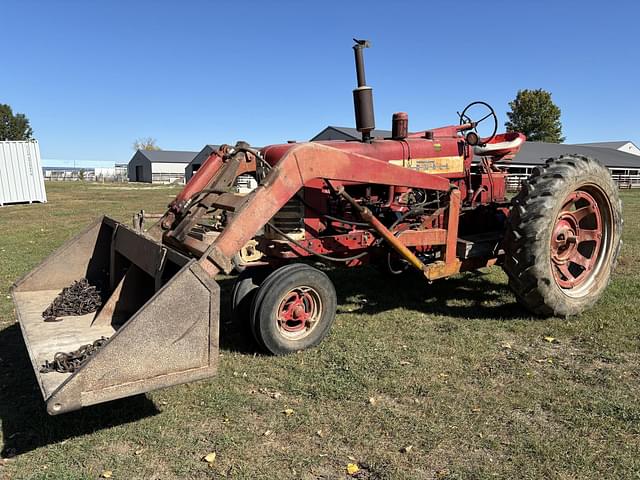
[
  {"x": 167, "y": 177},
  {"x": 627, "y": 181},
  {"x": 84, "y": 175},
  {"x": 514, "y": 181}
]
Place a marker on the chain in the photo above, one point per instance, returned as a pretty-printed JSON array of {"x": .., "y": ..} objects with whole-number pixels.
[
  {"x": 72, "y": 361},
  {"x": 79, "y": 298}
]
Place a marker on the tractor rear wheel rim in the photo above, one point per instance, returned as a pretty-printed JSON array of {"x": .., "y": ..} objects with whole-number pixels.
[
  {"x": 299, "y": 312},
  {"x": 580, "y": 238}
]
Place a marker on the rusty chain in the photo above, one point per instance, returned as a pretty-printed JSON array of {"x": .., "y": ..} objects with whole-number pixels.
[
  {"x": 72, "y": 361},
  {"x": 79, "y": 298}
]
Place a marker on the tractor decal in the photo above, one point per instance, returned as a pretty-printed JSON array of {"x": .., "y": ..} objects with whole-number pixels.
[{"x": 433, "y": 165}]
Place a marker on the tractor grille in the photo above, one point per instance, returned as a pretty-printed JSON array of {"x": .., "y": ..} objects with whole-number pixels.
[{"x": 290, "y": 219}]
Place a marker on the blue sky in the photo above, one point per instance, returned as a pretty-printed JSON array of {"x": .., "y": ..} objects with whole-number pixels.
[{"x": 94, "y": 75}]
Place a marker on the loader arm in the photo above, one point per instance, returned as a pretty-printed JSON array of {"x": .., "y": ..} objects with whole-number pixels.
[{"x": 299, "y": 166}]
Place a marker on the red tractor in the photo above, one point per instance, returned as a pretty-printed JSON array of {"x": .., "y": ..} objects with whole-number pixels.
[{"x": 416, "y": 200}]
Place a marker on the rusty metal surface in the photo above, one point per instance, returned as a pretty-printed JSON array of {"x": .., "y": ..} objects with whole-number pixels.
[
  {"x": 229, "y": 201},
  {"x": 172, "y": 339},
  {"x": 301, "y": 164},
  {"x": 453, "y": 218},
  {"x": 432, "y": 236},
  {"x": 396, "y": 244},
  {"x": 158, "y": 336}
]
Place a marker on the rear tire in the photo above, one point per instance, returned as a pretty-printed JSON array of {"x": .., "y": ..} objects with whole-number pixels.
[
  {"x": 293, "y": 309},
  {"x": 563, "y": 236}
]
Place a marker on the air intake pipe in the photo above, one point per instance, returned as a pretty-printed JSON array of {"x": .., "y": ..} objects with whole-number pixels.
[{"x": 363, "y": 95}]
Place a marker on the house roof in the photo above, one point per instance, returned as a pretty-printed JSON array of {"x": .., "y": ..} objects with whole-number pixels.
[
  {"x": 615, "y": 145},
  {"x": 167, "y": 156}
]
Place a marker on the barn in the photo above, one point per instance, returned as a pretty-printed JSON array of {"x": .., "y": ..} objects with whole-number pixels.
[
  {"x": 198, "y": 160},
  {"x": 159, "y": 166}
]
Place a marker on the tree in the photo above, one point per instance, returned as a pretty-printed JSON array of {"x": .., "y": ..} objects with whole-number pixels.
[
  {"x": 13, "y": 127},
  {"x": 147, "y": 143},
  {"x": 534, "y": 114}
]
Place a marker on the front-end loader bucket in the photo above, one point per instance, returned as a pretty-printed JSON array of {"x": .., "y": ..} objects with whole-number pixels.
[{"x": 160, "y": 314}]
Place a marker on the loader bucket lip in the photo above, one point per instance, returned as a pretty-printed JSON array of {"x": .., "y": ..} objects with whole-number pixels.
[{"x": 179, "y": 318}]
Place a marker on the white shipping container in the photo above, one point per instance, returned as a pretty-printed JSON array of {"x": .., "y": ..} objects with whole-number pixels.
[{"x": 21, "y": 179}]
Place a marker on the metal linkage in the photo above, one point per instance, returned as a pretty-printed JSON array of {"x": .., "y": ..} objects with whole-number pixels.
[
  {"x": 79, "y": 298},
  {"x": 72, "y": 361}
]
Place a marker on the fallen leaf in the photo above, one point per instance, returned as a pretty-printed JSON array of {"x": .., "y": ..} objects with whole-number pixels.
[
  {"x": 506, "y": 345},
  {"x": 209, "y": 457},
  {"x": 267, "y": 433},
  {"x": 275, "y": 395},
  {"x": 406, "y": 449},
  {"x": 352, "y": 468},
  {"x": 106, "y": 474},
  {"x": 288, "y": 411},
  {"x": 320, "y": 434}
]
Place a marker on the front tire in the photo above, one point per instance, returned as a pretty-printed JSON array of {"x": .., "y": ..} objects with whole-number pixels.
[
  {"x": 293, "y": 309},
  {"x": 563, "y": 236}
]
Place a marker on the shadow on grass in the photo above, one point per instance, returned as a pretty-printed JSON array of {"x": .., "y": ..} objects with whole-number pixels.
[
  {"x": 468, "y": 296},
  {"x": 26, "y": 425},
  {"x": 25, "y": 422},
  {"x": 471, "y": 295}
]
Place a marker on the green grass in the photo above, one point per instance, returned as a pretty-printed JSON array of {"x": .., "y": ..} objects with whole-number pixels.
[{"x": 455, "y": 369}]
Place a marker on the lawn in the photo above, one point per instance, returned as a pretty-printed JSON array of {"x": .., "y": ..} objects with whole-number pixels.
[{"x": 451, "y": 380}]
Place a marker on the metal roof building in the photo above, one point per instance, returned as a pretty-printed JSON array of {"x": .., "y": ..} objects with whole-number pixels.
[
  {"x": 21, "y": 178},
  {"x": 346, "y": 133},
  {"x": 198, "y": 160},
  {"x": 159, "y": 166},
  {"x": 535, "y": 153},
  {"x": 624, "y": 146}
]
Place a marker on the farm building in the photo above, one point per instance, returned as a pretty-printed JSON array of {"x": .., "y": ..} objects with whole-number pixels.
[
  {"x": 199, "y": 159},
  {"x": 21, "y": 178},
  {"x": 622, "y": 157},
  {"x": 346, "y": 133},
  {"x": 159, "y": 166},
  {"x": 623, "y": 146}
]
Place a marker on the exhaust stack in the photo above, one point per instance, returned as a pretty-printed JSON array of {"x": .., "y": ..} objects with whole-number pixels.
[{"x": 363, "y": 95}]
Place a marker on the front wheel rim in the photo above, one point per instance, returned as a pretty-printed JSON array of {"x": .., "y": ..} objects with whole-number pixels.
[
  {"x": 299, "y": 312},
  {"x": 581, "y": 240}
]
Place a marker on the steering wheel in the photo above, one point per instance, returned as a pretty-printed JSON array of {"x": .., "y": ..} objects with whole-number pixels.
[{"x": 464, "y": 118}]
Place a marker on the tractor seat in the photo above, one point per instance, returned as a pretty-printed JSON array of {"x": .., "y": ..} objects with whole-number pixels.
[{"x": 503, "y": 144}]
